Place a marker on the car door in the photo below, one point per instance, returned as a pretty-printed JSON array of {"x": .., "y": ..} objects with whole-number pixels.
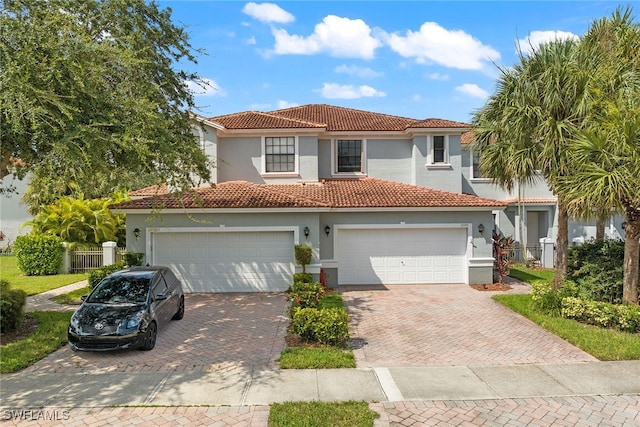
[
  {"x": 162, "y": 301},
  {"x": 174, "y": 289}
]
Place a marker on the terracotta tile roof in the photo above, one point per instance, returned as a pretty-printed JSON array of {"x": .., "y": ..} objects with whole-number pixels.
[
  {"x": 334, "y": 119},
  {"x": 332, "y": 193},
  {"x": 154, "y": 190},
  {"x": 532, "y": 200},
  {"x": 467, "y": 138}
]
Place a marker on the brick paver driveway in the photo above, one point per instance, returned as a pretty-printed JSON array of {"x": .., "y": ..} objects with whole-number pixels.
[
  {"x": 219, "y": 331},
  {"x": 446, "y": 325}
]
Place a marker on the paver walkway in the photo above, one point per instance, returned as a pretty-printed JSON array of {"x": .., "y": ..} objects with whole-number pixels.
[{"x": 446, "y": 325}]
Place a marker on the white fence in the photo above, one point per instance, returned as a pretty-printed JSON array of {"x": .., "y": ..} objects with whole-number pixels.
[{"x": 90, "y": 259}]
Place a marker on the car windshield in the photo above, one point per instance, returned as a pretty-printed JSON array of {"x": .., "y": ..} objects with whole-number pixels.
[{"x": 121, "y": 289}]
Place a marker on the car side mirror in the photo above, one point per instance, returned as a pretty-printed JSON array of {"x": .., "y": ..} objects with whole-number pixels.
[{"x": 84, "y": 297}]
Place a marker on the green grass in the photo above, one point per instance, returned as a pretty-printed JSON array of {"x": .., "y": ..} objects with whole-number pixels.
[
  {"x": 32, "y": 285},
  {"x": 316, "y": 358},
  {"x": 321, "y": 414},
  {"x": 73, "y": 297},
  {"x": 604, "y": 344},
  {"x": 49, "y": 336},
  {"x": 331, "y": 301},
  {"x": 529, "y": 275}
]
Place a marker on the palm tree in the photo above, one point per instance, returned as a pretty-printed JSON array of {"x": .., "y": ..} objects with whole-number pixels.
[
  {"x": 607, "y": 153},
  {"x": 523, "y": 129}
]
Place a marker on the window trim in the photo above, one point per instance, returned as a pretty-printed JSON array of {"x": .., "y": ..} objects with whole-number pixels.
[
  {"x": 431, "y": 164},
  {"x": 263, "y": 146},
  {"x": 363, "y": 157},
  {"x": 471, "y": 170}
]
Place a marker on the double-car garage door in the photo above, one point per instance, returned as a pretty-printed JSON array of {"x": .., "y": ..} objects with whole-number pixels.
[
  {"x": 263, "y": 261},
  {"x": 221, "y": 261},
  {"x": 401, "y": 256}
]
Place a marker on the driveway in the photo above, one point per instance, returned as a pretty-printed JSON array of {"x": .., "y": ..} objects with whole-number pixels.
[
  {"x": 446, "y": 325},
  {"x": 234, "y": 331}
]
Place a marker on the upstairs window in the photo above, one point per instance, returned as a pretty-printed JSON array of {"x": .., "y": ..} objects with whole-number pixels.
[
  {"x": 349, "y": 156},
  {"x": 439, "y": 151},
  {"x": 475, "y": 166},
  {"x": 280, "y": 154}
]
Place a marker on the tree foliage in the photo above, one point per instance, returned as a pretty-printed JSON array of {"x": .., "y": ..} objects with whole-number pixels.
[{"x": 91, "y": 96}]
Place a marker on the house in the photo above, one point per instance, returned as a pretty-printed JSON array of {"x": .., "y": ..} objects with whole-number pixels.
[
  {"x": 13, "y": 211},
  {"x": 381, "y": 199}
]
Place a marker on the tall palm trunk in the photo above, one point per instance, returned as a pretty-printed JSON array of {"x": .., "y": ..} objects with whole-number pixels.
[
  {"x": 631, "y": 257},
  {"x": 562, "y": 244},
  {"x": 600, "y": 229}
]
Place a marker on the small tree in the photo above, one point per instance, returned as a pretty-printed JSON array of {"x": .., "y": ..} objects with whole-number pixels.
[
  {"x": 39, "y": 255},
  {"x": 502, "y": 247},
  {"x": 303, "y": 255}
]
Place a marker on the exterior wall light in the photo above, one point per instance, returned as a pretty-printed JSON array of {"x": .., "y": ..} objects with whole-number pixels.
[
  {"x": 327, "y": 229},
  {"x": 481, "y": 228},
  {"x": 306, "y": 232},
  {"x": 624, "y": 225},
  {"x": 136, "y": 233}
]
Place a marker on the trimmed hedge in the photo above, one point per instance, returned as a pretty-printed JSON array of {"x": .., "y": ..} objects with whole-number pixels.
[
  {"x": 305, "y": 295},
  {"x": 303, "y": 254},
  {"x": 302, "y": 277},
  {"x": 328, "y": 326},
  {"x": 39, "y": 255},
  {"x": 133, "y": 259},
  {"x": 12, "y": 304},
  {"x": 622, "y": 317},
  {"x": 95, "y": 276}
]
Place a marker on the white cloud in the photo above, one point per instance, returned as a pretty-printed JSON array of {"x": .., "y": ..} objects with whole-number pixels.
[
  {"x": 417, "y": 98},
  {"x": 473, "y": 90},
  {"x": 536, "y": 38},
  {"x": 251, "y": 41},
  {"x": 338, "y": 37},
  {"x": 437, "y": 76},
  {"x": 353, "y": 70},
  {"x": 337, "y": 91},
  {"x": 286, "y": 104},
  {"x": 451, "y": 48},
  {"x": 205, "y": 87},
  {"x": 268, "y": 12}
]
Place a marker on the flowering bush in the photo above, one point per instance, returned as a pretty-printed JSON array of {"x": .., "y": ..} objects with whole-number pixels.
[
  {"x": 623, "y": 317},
  {"x": 305, "y": 295}
]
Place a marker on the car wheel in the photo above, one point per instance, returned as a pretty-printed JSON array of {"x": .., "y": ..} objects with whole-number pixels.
[
  {"x": 150, "y": 337},
  {"x": 180, "y": 313}
]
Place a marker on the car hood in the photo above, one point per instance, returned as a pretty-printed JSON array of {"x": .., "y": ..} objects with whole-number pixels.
[{"x": 101, "y": 319}]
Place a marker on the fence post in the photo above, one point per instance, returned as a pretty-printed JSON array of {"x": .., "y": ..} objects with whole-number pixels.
[
  {"x": 65, "y": 268},
  {"x": 109, "y": 253}
]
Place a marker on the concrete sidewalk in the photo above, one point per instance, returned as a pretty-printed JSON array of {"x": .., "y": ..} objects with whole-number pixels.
[
  {"x": 244, "y": 388},
  {"x": 44, "y": 300}
]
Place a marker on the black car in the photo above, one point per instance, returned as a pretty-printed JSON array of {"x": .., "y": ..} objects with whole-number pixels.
[{"x": 126, "y": 309}]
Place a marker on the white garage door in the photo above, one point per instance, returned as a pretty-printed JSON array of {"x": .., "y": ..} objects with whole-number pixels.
[
  {"x": 401, "y": 256},
  {"x": 228, "y": 261}
]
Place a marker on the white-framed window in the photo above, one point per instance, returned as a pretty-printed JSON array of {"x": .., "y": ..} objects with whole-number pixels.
[
  {"x": 438, "y": 151},
  {"x": 476, "y": 173},
  {"x": 280, "y": 154},
  {"x": 348, "y": 156}
]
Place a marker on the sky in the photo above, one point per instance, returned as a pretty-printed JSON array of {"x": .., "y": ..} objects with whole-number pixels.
[{"x": 416, "y": 59}]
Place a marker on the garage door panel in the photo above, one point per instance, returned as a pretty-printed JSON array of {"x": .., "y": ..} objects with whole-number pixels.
[
  {"x": 228, "y": 261},
  {"x": 397, "y": 256}
]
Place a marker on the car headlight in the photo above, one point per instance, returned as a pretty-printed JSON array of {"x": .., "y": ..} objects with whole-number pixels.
[
  {"x": 134, "y": 321},
  {"x": 74, "y": 323}
]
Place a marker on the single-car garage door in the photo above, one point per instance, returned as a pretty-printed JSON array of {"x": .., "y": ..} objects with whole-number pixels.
[
  {"x": 255, "y": 261},
  {"x": 401, "y": 256}
]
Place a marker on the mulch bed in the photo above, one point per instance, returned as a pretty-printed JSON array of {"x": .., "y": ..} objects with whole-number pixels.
[
  {"x": 28, "y": 326},
  {"x": 492, "y": 287}
]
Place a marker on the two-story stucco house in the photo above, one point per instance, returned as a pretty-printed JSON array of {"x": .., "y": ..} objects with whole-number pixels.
[{"x": 381, "y": 199}]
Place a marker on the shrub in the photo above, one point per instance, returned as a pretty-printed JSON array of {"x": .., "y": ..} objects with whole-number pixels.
[
  {"x": 39, "y": 255},
  {"x": 501, "y": 253},
  {"x": 133, "y": 258},
  {"x": 303, "y": 254},
  {"x": 548, "y": 300},
  {"x": 596, "y": 267},
  {"x": 302, "y": 277},
  {"x": 305, "y": 295},
  {"x": 95, "y": 276},
  {"x": 623, "y": 317},
  {"x": 12, "y": 304},
  {"x": 328, "y": 326}
]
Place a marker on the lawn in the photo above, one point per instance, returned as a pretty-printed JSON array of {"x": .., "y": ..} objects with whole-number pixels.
[
  {"x": 321, "y": 414},
  {"x": 33, "y": 285},
  {"x": 604, "y": 344}
]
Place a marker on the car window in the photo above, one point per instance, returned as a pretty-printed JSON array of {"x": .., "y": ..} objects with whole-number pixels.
[
  {"x": 160, "y": 287},
  {"x": 121, "y": 289}
]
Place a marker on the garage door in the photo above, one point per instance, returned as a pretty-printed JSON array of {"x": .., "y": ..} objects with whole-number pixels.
[
  {"x": 228, "y": 261},
  {"x": 401, "y": 256}
]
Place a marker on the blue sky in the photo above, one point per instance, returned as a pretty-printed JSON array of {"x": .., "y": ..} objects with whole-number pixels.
[{"x": 417, "y": 59}]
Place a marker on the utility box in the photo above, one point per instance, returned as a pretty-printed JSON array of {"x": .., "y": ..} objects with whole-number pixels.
[{"x": 547, "y": 258}]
